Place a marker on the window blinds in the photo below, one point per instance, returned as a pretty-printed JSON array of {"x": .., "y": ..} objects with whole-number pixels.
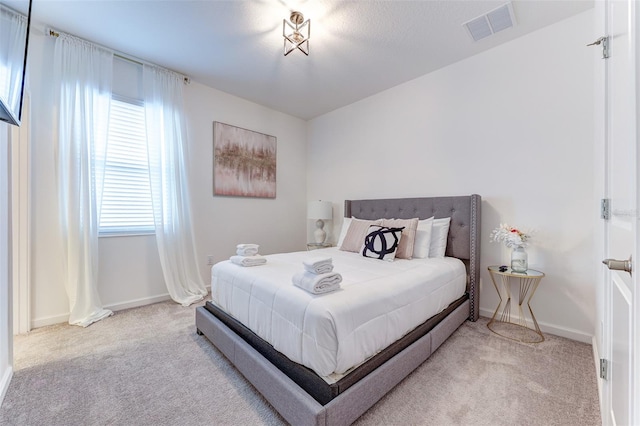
[{"x": 126, "y": 196}]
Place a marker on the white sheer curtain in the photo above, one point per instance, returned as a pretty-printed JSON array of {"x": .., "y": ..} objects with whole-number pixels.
[
  {"x": 166, "y": 142},
  {"x": 82, "y": 75},
  {"x": 13, "y": 31}
]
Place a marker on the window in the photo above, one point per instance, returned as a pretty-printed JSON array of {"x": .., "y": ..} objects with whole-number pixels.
[{"x": 126, "y": 196}]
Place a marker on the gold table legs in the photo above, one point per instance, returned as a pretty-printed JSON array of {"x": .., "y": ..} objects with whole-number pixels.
[{"x": 521, "y": 329}]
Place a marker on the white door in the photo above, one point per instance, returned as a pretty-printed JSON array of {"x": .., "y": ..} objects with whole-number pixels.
[{"x": 621, "y": 332}]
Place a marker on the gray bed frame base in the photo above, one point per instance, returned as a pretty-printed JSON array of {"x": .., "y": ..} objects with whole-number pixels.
[
  {"x": 289, "y": 399},
  {"x": 293, "y": 403}
]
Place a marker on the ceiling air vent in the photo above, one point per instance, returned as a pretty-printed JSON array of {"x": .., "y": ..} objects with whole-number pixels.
[{"x": 490, "y": 23}]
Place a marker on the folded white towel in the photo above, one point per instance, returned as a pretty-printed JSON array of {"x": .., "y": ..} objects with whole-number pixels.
[
  {"x": 318, "y": 265},
  {"x": 248, "y": 260},
  {"x": 317, "y": 283},
  {"x": 247, "y": 249},
  {"x": 244, "y": 246}
]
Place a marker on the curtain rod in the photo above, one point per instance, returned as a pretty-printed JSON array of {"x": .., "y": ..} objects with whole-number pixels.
[
  {"x": 52, "y": 33},
  {"x": 5, "y": 7}
]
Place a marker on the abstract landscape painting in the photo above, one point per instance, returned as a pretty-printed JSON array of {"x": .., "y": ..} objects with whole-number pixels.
[{"x": 244, "y": 162}]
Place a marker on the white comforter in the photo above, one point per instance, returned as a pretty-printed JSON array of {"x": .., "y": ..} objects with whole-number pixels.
[{"x": 378, "y": 303}]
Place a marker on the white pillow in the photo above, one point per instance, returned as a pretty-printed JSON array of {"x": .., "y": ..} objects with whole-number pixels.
[
  {"x": 343, "y": 231},
  {"x": 422, "y": 241},
  {"x": 439, "y": 235}
]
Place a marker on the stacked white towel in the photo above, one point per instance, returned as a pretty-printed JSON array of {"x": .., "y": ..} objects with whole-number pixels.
[
  {"x": 318, "y": 265},
  {"x": 317, "y": 283},
  {"x": 247, "y": 255},
  {"x": 247, "y": 249},
  {"x": 254, "y": 260}
]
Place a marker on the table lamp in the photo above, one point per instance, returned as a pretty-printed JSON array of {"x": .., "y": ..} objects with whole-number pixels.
[{"x": 320, "y": 210}]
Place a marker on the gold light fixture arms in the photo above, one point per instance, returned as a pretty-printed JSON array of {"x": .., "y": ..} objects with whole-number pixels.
[{"x": 299, "y": 37}]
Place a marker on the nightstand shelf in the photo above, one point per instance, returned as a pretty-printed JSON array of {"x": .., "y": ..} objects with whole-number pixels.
[{"x": 315, "y": 246}]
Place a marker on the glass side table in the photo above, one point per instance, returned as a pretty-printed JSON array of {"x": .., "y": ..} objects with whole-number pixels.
[{"x": 525, "y": 328}]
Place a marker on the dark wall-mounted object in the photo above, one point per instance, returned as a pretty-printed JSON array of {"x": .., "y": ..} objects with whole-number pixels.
[{"x": 14, "y": 44}]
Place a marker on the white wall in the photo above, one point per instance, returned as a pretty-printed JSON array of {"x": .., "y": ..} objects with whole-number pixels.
[
  {"x": 221, "y": 222},
  {"x": 514, "y": 125},
  {"x": 129, "y": 270},
  {"x": 6, "y": 327}
]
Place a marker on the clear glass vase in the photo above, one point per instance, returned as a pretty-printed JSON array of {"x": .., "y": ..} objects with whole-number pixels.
[{"x": 519, "y": 260}]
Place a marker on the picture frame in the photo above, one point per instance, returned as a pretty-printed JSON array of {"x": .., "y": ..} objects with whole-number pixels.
[{"x": 244, "y": 162}]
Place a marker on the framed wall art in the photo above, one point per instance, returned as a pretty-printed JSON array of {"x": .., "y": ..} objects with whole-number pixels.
[{"x": 244, "y": 162}]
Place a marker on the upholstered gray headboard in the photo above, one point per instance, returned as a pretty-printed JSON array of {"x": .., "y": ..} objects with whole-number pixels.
[{"x": 464, "y": 231}]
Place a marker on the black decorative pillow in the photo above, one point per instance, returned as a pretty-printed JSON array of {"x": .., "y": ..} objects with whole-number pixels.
[{"x": 381, "y": 242}]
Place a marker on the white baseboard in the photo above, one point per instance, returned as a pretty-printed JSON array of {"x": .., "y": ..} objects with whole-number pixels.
[
  {"x": 4, "y": 383},
  {"x": 135, "y": 303},
  {"x": 138, "y": 302},
  {"x": 569, "y": 333},
  {"x": 55, "y": 319}
]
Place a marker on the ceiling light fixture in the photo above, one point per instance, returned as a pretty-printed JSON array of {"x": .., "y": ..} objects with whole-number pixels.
[{"x": 299, "y": 38}]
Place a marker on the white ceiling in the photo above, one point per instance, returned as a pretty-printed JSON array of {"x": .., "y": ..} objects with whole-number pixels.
[{"x": 358, "y": 48}]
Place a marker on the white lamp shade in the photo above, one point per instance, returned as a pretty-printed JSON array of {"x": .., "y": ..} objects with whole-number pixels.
[{"x": 319, "y": 210}]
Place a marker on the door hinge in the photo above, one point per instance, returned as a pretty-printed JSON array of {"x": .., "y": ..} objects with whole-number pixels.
[
  {"x": 604, "y": 41},
  {"x": 604, "y": 368},
  {"x": 605, "y": 209}
]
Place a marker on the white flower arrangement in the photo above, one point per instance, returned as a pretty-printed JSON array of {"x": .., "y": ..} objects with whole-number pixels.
[{"x": 511, "y": 236}]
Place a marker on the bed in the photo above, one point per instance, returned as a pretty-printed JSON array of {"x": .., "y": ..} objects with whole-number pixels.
[{"x": 306, "y": 397}]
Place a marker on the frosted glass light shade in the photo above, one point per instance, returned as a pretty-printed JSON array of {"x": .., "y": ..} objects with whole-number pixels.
[{"x": 319, "y": 210}]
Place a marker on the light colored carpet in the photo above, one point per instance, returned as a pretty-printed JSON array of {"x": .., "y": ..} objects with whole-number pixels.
[{"x": 147, "y": 366}]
